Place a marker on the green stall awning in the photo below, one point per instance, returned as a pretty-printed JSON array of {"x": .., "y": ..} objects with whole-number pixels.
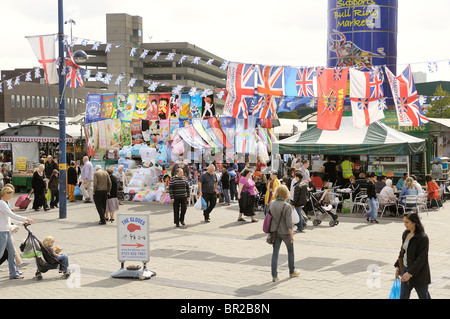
[{"x": 376, "y": 139}]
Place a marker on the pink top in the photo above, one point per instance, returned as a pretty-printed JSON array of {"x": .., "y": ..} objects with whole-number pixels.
[{"x": 249, "y": 185}]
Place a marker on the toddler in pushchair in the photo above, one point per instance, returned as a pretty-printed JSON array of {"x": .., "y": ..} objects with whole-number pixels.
[
  {"x": 47, "y": 255},
  {"x": 317, "y": 207},
  {"x": 259, "y": 198}
]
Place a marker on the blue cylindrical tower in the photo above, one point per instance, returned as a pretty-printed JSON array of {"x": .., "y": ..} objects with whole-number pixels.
[{"x": 362, "y": 33}]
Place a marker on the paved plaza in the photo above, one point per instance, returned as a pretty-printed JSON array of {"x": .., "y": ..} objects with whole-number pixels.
[{"x": 226, "y": 259}]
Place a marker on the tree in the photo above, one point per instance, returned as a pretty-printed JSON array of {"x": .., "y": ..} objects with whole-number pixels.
[{"x": 439, "y": 108}]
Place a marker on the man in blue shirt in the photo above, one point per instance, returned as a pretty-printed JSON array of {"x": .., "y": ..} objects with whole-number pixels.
[{"x": 207, "y": 185}]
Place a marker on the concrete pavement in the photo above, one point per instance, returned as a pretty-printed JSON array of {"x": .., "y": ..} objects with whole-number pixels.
[{"x": 226, "y": 259}]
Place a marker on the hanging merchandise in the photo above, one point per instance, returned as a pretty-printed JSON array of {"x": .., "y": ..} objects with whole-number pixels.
[
  {"x": 299, "y": 82},
  {"x": 114, "y": 127},
  {"x": 102, "y": 144},
  {"x": 174, "y": 125},
  {"x": 145, "y": 126},
  {"x": 196, "y": 105},
  {"x": 208, "y": 106},
  {"x": 164, "y": 130},
  {"x": 140, "y": 111},
  {"x": 91, "y": 133},
  {"x": 161, "y": 156},
  {"x": 107, "y": 106},
  {"x": 152, "y": 111},
  {"x": 197, "y": 124},
  {"x": 228, "y": 125},
  {"x": 136, "y": 131},
  {"x": 332, "y": 89},
  {"x": 174, "y": 105},
  {"x": 185, "y": 106},
  {"x": 154, "y": 131},
  {"x": 126, "y": 114},
  {"x": 125, "y": 133},
  {"x": 93, "y": 102},
  {"x": 216, "y": 129},
  {"x": 163, "y": 107}
]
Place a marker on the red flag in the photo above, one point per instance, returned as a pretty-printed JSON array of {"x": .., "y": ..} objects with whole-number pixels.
[{"x": 332, "y": 89}]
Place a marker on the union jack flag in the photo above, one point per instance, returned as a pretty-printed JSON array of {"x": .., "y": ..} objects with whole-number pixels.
[
  {"x": 305, "y": 82},
  {"x": 270, "y": 80},
  {"x": 74, "y": 78},
  {"x": 241, "y": 85},
  {"x": 375, "y": 83},
  {"x": 266, "y": 106},
  {"x": 409, "y": 111},
  {"x": 96, "y": 45}
]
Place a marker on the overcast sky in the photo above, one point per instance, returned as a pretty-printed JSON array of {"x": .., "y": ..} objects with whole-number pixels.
[{"x": 283, "y": 32}]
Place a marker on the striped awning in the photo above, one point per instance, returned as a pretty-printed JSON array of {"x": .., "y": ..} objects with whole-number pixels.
[{"x": 376, "y": 139}]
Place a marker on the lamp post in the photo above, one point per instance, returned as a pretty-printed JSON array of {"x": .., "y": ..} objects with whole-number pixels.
[{"x": 62, "y": 118}]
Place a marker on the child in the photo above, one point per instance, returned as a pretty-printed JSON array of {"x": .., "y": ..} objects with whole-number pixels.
[
  {"x": 53, "y": 186},
  {"x": 55, "y": 251}
]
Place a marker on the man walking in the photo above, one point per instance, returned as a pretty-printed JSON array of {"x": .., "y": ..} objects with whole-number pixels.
[
  {"x": 179, "y": 194},
  {"x": 102, "y": 187},
  {"x": 207, "y": 185},
  {"x": 87, "y": 175}
]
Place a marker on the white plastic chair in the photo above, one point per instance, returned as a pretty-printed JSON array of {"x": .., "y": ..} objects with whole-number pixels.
[
  {"x": 193, "y": 195},
  {"x": 361, "y": 202},
  {"x": 409, "y": 202},
  {"x": 383, "y": 200},
  {"x": 422, "y": 202}
]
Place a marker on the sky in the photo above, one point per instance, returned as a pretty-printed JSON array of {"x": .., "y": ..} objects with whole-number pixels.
[{"x": 283, "y": 32}]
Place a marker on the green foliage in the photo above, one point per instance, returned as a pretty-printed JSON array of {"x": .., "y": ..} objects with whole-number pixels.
[{"x": 440, "y": 108}]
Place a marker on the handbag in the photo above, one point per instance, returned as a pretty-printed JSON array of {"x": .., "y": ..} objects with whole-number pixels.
[{"x": 273, "y": 235}]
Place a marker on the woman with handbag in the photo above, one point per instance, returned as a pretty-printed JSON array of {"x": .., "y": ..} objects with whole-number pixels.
[
  {"x": 281, "y": 226},
  {"x": 247, "y": 194},
  {"x": 412, "y": 264}
]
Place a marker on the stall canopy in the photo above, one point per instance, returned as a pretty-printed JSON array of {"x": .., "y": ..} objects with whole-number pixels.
[{"x": 376, "y": 139}]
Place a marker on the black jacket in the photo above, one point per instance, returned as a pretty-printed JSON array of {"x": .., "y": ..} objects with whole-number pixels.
[
  {"x": 417, "y": 259},
  {"x": 300, "y": 194}
]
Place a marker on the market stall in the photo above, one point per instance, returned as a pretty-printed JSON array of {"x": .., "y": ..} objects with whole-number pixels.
[{"x": 385, "y": 149}]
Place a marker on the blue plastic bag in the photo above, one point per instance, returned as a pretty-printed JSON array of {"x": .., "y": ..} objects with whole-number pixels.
[
  {"x": 395, "y": 290},
  {"x": 77, "y": 191},
  {"x": 204, "y": 204}
]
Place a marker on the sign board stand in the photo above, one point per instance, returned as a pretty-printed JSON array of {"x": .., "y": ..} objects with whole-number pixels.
[{"x": 133, "y": 245}]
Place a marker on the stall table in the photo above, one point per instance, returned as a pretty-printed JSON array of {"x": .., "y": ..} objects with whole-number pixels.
[{"x": 22, "y": 182}]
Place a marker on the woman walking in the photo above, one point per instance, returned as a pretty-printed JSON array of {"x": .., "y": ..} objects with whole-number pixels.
[
  {"x": 281, "y": 223},
  {"x": 371, "y": 215},
  {"x": 6, "y": 240},
  {"x": 112, "y": 203},
  {"x": 38, "y": 187},
  {"x": 121, "y": 183},
  {"x": 412, "y": 263},
  {"x": 247, "y": 193}
]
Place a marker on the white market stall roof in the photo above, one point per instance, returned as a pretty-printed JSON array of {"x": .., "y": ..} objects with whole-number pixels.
[
  {"x": 376, "y": 139},
  {"x": 289, "y": 127},
  {"x": 39, "y": 133}
]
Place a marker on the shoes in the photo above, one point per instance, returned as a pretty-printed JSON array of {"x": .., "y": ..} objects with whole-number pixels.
[
  {"x": 23, "y": 264},
  {"x": 102, "y": 222},
  {"x": 275, "y": 279},
  {"x": 207, "y": 220},
  {"x": 46, "y": 209},
  {"x": 36, "y": 209},
  {"x": 374, "y": 222},
  {"x": 18, "y": 277},
  {"x": 177, "y": 225},
  {"x": 254, "y": 220},
  {"x": 111, "y": 220},
  {"x": 296, "y": 273},
  {"x": 182, "y": 223},
  {"x": 241, "y": 219}
]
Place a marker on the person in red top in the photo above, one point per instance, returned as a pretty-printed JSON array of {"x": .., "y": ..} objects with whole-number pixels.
[
  {"x": 317, "y": 180},
  {"x": 432, "y": 187}
]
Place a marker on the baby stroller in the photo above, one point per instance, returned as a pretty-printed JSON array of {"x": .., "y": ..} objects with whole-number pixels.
[
  {"x": 32, "y": 247},
  {"x": 259, "y": 198},
  {"x": 317, "y": 207}
]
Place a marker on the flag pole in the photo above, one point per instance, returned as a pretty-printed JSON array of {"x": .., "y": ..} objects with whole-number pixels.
[{"x": 62, "y": 117}]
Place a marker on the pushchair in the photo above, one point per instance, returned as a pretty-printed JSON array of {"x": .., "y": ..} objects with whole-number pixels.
[
  {"x": 32, "y": 247},
  {"x": 317, "y": 208},
  {"x": 260, "y": 197}
]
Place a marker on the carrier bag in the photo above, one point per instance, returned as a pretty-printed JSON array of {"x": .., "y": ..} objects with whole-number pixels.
[
  {"x": 30, "y": 248},
  {"x": 395, "y": 290},
  {"x": 198, "y": 204}
]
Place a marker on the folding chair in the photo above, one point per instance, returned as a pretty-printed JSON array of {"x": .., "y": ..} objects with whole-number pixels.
[
  {"x": 383, "y": 200},
  {"x": 361, "y": 203},
  {"x": 422, "y": 202},
  {"x": 193, "y": 195},
  {"x": 408, "y": 202}
]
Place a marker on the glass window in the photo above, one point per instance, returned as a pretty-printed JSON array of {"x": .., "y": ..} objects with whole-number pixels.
[
  {"x": 24, "y": 101},
  {"x": 18, "y": 100},
  {"x": 28, "y": 101},
  {"x": 43, "y": 102},
  {"x": 13, "y": 100},
  {"x": 38, "y": 101},
  {"x": 33, "y": 101}
]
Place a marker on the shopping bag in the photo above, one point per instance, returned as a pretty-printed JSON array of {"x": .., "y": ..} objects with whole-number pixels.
[
  {"x": 77, "y": 191},
  {"x": 30, "y": 248},
  {"x": 204, "y": 204},
  {"x": 48, "y": 196},
  {"x": 198, "y": 204},
  {"x": 395, "y": 290}
]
